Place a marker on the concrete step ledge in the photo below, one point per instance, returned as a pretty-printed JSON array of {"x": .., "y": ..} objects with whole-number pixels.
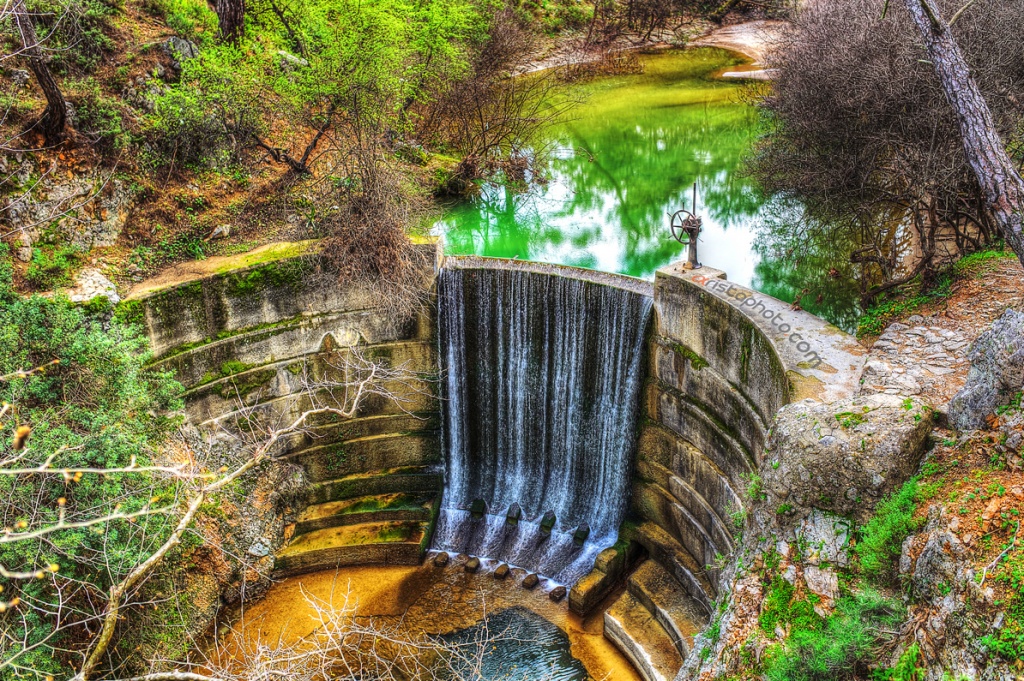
[
  {"x": 639, "y": 636},
  {"x": 411, "y": 480},
  {"x": 366, "y": 509},
  {"x": 374, "y": 543},
  {"x": 666, "y": 599},
  {"x": 665, "y": 550}
]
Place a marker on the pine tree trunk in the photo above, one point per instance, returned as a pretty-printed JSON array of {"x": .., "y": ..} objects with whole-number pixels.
[
  {"x": 999, "y": 180},
  {"x": 231, "y": 18},
  {"x": 55, "y": 115}
]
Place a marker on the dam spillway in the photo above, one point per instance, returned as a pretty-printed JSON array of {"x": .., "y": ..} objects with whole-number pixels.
[
  {"x": 542, "y": 374},
  {"x": 699, "y": 378}
]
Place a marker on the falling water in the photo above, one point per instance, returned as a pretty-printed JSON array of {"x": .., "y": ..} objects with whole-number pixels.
[{"x": 542, "y": 379}]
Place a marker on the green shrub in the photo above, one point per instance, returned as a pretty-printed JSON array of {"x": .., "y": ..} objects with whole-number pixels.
[
  {"x": 52, "y": 267},
  {"x": 191, "y": 19},
  {"x": 906, "y": 668},
  {"x": 1008, "y": 642},
  {"x": 97, "y": 406},
  {"x": 837, "y": 647},
  {"x": 780, "y": 608},
  {"x": 79, "y": 40},
  {"x": 881, "y": 539},
  {"x": 99, "y": 116}
]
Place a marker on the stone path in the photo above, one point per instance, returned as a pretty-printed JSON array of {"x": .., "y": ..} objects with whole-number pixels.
[
  {"x": 927, "y": 361},
  {"x": 925, "y": 355}
]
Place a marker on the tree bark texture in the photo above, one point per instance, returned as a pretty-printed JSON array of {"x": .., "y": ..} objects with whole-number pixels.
[
  {"x": 55, "y": 115},
  {"x": 231, "y": 19},
  {"x": 999, "y": 180}
]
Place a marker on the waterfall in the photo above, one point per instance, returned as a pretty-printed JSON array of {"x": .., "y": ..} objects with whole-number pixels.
[{"x": 542, "y": 375}]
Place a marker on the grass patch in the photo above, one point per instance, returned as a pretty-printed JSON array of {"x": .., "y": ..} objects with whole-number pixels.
[
  {"x": 880, "y": 315},
  {"x": 837, "y": 647},
  {"x": 882, "y": 537},
  {"x": 852, "y": 419},
  {"x": 52, "y": 267}
]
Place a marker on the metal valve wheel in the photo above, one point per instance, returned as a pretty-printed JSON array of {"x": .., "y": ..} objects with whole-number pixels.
[{"x": 684, "y": 224}]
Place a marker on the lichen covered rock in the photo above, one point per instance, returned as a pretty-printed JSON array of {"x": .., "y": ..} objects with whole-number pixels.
[
  {"x": 996, "y": 375},
  {"x": 841, "y": 458}
]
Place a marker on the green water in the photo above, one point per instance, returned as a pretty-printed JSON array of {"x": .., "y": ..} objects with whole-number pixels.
[{"x": 627, "y": 158}]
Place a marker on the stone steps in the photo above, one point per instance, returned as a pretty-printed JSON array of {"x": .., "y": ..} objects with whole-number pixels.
[
  {"x": 673, "y": 556},
  {"x": 413, "y": 479},
  {"x": 373, "y": 452},
  {"x": 371, "y": 543},
  {"x": 366, "y": 509},
  {"x": 642, "y": 639},
  {"x": 672, "y": 607},
  {"x": 376, "y": 518}
]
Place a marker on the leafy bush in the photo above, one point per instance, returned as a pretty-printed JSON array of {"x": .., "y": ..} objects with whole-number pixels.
[
  {"x": 75, "y": 30},
  {"x": 99, "y": 116},
  {"x": 51, "y": 267},
  {"x": 215, "y": 110},
  {"x": 839, "y": 647},
  {"x": 94, "y": 405},
  {"x": 882, "y": 537}
]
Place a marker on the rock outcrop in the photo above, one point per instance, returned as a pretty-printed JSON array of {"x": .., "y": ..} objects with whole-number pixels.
[
  {"x": 825, "y": 468},
  {"x": 87, "y": 211},
  {"x": 996, "y": 375},
  {"x": 948, "y": 593},
  {"x": 838, "y": 458},
  {"x": 91, "y": 283}
]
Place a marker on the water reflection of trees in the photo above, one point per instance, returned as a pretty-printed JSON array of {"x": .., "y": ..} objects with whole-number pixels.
[
  {"x": 500, "y": 222},
  {"x": 633, "y": 176},
  {"x": 807, "y": 262}
]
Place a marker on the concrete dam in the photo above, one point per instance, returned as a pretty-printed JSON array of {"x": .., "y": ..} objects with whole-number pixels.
[{"x": 594, "y": 429}]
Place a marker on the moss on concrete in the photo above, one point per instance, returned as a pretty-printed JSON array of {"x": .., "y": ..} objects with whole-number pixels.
[{"x": 696, "y": 361}]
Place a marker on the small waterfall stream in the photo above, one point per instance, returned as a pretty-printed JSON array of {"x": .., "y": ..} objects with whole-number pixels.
[{"x": 542, "y": 376}]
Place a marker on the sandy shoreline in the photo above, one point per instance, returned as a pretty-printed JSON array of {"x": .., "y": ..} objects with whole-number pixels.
[{"x": 752, "y": 39}]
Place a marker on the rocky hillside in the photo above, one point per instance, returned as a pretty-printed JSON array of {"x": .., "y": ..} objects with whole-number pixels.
[{"x": 883, "y": 539}]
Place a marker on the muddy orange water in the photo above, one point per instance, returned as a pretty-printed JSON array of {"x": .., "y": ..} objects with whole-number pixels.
[{"x": 431, "y": 599}]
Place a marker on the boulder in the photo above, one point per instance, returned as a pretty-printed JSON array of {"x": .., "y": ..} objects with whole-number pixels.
[
  {"x": 441, "y": 559},
  {"x": 180, "y": 51},
  {"x": 91, "y": 284},
  {"x": 840, "y": 458},
  {"x": 220, "y": 232},
  {"x": 291, "y": 62},
  {"x": 530, "y": 581},
  {"x": 557, "y": 594},
  {"x": 996, "y": 375},
  {"x": 473, "y": 564},
  {"x": 501, "y": 572}
]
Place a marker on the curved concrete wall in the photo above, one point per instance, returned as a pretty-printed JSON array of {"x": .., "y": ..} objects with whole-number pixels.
[
  {"x": 249, "y": 338},
  {"x": 723, "y": 360},
  {"x": 720, "y": 361}
]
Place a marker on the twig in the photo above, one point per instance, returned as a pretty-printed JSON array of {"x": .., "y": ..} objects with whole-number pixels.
[{"x": 994, "y": 563}]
